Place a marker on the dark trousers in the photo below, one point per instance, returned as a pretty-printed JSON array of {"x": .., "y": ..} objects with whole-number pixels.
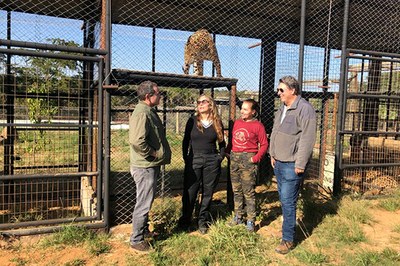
[{"x": 202, "y": 174}]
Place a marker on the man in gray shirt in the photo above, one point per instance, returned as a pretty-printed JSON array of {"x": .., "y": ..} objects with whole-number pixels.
[
  {"x": 291, "y": 145},
  {"x": 149, "y": 149}
]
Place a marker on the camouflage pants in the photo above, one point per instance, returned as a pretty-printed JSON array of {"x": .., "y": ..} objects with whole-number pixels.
[{"x": 243, "y": 178}]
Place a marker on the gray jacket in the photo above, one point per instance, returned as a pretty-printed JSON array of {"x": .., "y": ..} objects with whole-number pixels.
[
  {"x": 146, "y": 135},
  {"x": 294, "y": 139}
]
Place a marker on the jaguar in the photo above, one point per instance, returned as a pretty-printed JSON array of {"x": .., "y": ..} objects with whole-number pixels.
[{"x": 199, "y": 47}]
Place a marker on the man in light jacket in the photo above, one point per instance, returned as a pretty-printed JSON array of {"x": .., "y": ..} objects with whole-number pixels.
[
  {"x": 291, "y": 145},
  {"x": 149, "y": 149}
]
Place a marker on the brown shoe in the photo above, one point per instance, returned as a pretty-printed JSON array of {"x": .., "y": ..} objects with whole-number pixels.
[
  {"x": 141, "y": 247},
  {"x": 284, "y": 247}
]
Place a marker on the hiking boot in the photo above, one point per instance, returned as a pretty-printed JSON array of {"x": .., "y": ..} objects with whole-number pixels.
[
  {"x": 284, "y": 247},
  {"x": 250, "y": 226},
  {"x": 236, "y": 221},
  {"x": 141, "y": 247}
]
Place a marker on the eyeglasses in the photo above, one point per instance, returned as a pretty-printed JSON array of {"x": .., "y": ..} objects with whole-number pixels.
[
  {"x": 280, "y": 90},
  {"x": 202, "y": 102}
]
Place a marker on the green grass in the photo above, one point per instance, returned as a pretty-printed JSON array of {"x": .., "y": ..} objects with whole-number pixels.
[
  {"x": 235, "y": 246},
  {"x": 76, "y": 262},
  {"x": 370, "y": 258},
  {"x": 181, "y": 249},
  {"x": 309, "y": 257},
  {"x": 20, "y": 261},
  {"x": 223, "y": 245},
  {"x": 71, "y": 235},
  {"x": 392, "y": 203},
  {"x": 355, "y": 210},
  {"x": 396, "y": 228}
]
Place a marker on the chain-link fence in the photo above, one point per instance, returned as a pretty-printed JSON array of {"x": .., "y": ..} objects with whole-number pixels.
[{"x": 257, "y": 42}]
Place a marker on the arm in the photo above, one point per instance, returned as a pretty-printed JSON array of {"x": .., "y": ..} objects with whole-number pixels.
[
  {"x": 222, "y": 144},
  {"x": 308, "y": 125},
  {"x": 186, "y": 138},
  {"x": 263, "y": 144},
  {"x": 139, "y": 128}
]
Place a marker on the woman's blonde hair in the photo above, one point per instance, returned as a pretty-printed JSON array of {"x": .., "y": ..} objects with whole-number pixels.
[{"x": 213, "y": 116}]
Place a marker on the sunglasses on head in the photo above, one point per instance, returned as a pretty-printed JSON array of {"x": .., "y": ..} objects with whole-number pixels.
[{"x": 202, "y": 102}]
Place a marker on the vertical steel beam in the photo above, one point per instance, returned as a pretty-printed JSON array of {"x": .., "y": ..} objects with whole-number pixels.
[{"x": 342, "y": 87}]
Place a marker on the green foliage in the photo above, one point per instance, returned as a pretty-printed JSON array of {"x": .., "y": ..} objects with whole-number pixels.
[
  {"x": 99, "y": 245},
  {"x": 20, "y": 261},
  {"x": 397, "y": 228},
  {"x": 181, "y": 249},
  {"x": 69, "y": 235},
  {"x": 340, "y": 229},
  {"x": 76, "y": 262},
  {"x": 235, "y": 246},
  {"x": 308, "y": 257},
  {"x": 181, "y": 97},
  {"x": 355, "y": 210},
  {"x": 370, "y": 258},
  {"x": 164, "y": 215},
  {"x": 392, "y": 203}
]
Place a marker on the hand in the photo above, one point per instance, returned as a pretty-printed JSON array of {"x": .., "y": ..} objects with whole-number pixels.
[
  {"x": 298, "y": 171},
  {"x": 272, "y": 162}
]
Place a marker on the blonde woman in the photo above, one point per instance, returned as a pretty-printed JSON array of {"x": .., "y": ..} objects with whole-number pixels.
[{"x": 202, "y": 161}]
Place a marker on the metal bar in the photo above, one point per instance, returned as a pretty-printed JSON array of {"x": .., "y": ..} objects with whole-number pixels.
[
  {"x": 45, "y": 176},
  {"x": 343, "y": 74},
  {"x": 105, "y": 173},
  {"x": 368, "y": 165},
  {"x": 168, "y": 110},
  {"x": 302, "y": 38},
  {"x": 47, "y": 222},
  {"x": 358, "y": 51},
  {"x": 153, "y": 51},
  {"x": 53, "y": 47},
  {"x": 375, "y": 58},
  {"x": 10, "y": 102},
  {"x": 47, "y": 96},
  {"x": 343, "y": 132},
  {"x": 100, "y": 142},
  {"x": 52, "y": 229},
  {"x": 39, "y": 126},
  {"x": 372, "y": 96},
  {"x": 48, "y": 55},
  {"x": 47, "y": 129},
  {"x": 46, "y": 166}
]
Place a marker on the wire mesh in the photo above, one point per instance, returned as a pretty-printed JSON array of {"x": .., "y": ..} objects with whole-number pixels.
[{"x": 257, "y": 42}]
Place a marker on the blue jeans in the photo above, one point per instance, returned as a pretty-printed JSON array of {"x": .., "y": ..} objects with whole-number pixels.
[
  {"x": 289, "y": 184},
  {"x": 146, "y": 186}
]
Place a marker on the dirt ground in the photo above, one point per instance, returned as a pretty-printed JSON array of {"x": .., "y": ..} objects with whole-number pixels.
[{"x": 26, "y": 251}]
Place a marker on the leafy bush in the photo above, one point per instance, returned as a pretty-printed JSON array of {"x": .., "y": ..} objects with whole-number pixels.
[{"x": 164, "y": 215}]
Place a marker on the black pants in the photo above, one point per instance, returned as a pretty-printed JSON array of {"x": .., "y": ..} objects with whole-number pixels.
[{"x": 202, "y": 172}]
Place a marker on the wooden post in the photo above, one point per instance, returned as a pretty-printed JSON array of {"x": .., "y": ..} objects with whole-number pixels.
[{"x": 177, "y": 122}]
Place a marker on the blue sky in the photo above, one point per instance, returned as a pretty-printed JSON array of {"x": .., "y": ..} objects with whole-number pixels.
[{"x": 132, "y": 49}]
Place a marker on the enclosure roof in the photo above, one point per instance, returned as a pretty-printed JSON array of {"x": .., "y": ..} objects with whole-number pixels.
[{"x": 272, "y": 20}]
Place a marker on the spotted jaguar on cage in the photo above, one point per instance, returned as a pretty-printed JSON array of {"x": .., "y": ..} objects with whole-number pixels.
[{"x": 199, "y": 47}]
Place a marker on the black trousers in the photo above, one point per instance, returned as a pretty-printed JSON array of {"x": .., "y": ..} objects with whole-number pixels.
[{"x": 202, "y": 174}]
